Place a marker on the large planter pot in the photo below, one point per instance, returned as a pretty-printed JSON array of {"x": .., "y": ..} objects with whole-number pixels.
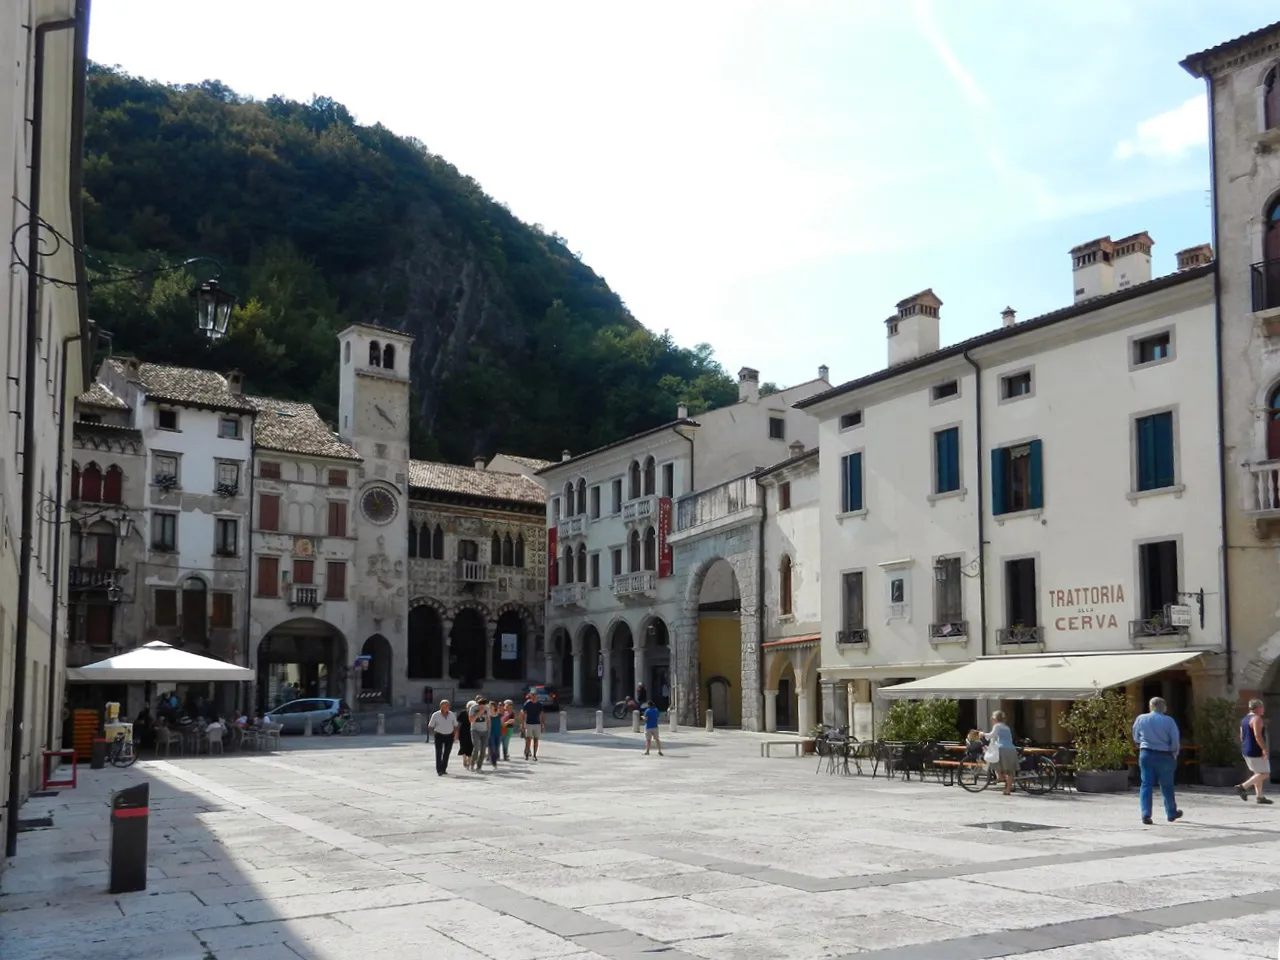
[
  {"x": 1220, "y": 776},
  {"x": 1102, "y": 781},
  {"x": 808, "y": 747}
]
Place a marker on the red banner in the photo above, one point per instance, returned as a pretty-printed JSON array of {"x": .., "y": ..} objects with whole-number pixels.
[
  {"x": 665, "y": 563},
  {"x": 553, "y": 567}
]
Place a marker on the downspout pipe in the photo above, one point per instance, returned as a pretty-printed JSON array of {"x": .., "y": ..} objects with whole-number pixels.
[
  {"x": 30, "y": 361},
  {"x": 760, "y": 614},
  {"x": 250, "y": 705},
  {"x": 982, "y": 504}
]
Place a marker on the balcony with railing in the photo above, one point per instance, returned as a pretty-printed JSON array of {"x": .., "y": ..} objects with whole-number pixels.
[
  {"x": 641, "y": 585},
  {"x": 726, "y": 505},
  {"x": 1158, "y": 627},
  {"x": 1264, "y": 489},
  {"x": 853, "y": 638},
  {"x": 949, "y": 631},
  {"x": 1264, "y": 278},
  {"x": 473, "y": 571},
  {"x": 88, "y": 578},
  {"x": 571, "y": 526},
  {"x": 304, "y": 595},
  {"x": 569, "y": 595},
  {"x": 1021, "y": 636},
  {"x": 639, "y": 511}
]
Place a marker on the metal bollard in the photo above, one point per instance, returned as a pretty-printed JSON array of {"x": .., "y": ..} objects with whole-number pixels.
[
  {"x": 417, "y": 724},
  {"x": 599, "y": 721},
  {"x": 306, "y": 731},
  {"x": 635, "y": 721},
  {"x": 130, "y": 811},
  {"x": 711, "y": 722},
  {"x": 564, "y": 722},
  {"x": 671, "y": 720},
  {"x": 382, "y": 724}
]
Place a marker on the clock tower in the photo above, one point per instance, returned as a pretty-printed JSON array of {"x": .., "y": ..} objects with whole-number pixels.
[{"x": 373, "y": 417}]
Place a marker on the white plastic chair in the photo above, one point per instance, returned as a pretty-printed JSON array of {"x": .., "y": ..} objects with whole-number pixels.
[{"x": 215, "y": 739}]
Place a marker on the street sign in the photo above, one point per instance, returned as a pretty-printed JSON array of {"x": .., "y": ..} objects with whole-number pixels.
[{"x": 1179, "y": 615}]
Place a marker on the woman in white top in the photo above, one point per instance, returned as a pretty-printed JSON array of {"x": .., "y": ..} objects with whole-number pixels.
[{"x": 1001, "y": 738}]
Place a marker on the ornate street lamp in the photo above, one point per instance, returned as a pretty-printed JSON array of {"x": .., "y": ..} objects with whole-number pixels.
[{"x": 213, "y": 309}]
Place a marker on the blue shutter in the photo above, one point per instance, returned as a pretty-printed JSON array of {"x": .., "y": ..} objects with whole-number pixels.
[
  {"x": 854, "y": 468},
  {"x": 1037, "y": 475},
  {"x": 1162, "y": 453},
  {"x": 998, "y": 457},
  {"x": 947, "y": 444},
  {"x": 844, "y": 484}
]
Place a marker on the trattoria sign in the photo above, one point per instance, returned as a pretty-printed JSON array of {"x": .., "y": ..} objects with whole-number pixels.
[{"x": 1077, "y": 609}]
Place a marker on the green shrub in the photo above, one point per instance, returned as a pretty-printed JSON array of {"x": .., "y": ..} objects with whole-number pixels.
[
  {"x": 1101, "y": 729},
  {"x": 1214, "y": 722},
  {"x": 915, "y": 720}
]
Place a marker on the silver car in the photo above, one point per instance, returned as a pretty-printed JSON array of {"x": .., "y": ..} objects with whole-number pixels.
[{"x": 292, "y": 716}]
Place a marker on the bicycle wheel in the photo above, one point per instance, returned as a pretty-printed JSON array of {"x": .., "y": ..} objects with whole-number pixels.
[
  {"x": 351, "y": 728},
  {"x": 123, "y": 755},
  {"x": 326, "y": 728},
  {"x": 1041, "y": 778},
  {"x": 974, "y": 777},
  {"x": 619, "y": 711}
]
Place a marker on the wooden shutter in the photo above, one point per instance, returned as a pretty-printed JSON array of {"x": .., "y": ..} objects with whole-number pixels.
[
  {"x": 222, "y": 610},
  {"x": 337, "y": 518},
  {"x": 268, "y": 577},
  {"x": 269, "y": 470},
  {"x": 335, "y": 580},
  {"x": 268, "y": 512},
  {"x": 337, "y": 478},
  {"x": 304, "y": 571},
  {"x": 111, "y": 485},
  {"x": 98, "y": 619},
  {"x": 998, "y": 458},
  {"x": 1037, "y": 475}
]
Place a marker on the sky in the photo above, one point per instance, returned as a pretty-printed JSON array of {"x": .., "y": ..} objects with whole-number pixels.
[{"x": 767, "y": 177}]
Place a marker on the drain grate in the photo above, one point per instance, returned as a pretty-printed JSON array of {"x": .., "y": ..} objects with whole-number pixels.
[
  {"x": 1013, "y": 826},
  {"x": 45, "y": 793},
  {"x": 34, "y": 823}
]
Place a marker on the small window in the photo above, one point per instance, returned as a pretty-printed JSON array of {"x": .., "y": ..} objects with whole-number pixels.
[
  {"x": 1021, "y": 610},
  {"x": 268, "y": 576},
  {"x": 90, "y": 418},
  {"x": 229, "y": 428},
  {"x": 668, "y": 479},
  {"x": 1017, "y": 478},
  {"x": 389, "y": 357},
  {"x": 616, "y": 503},
  {"x": 226, "y": 540},
  {"x": 1271, "y": 100},
  {"x": 375, "y": 354},
  {"x": 784, "y": 495},
  {"x": 944, "y": 391},
  {"x": 167, "y": 419},
  {"x": 1151, "y": 349},
  {"x": 229, "y": 476},
  {"x": 270, "y": 469},
  {"x": 854, "y": 611},
  {"x": 335, "y": 580},
  {"x": 777, "y": 428},
  {"x": 164, "y": 531},
  {"x": 1158, "y": 563},
  {"x": 164, "y": 470},
  {"x": 337, "y": 478},
  {"x": 337, "y": 522},
  {"x": 617, "y": 561},
  {"x": 1016, "y": 385},
  {"x": 166, "y": 614},
  {"x": 892, "y": 326},
  {"x": 268, "y": 512},
  {"x": 784, "y": 587},
  {"x": 850, "y": 420},
  {"x": 898, "y": 590},
  {"x": 555, "y": 509},
  {"x": 595, "y": 503}
]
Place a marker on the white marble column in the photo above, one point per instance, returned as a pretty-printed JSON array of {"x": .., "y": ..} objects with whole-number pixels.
[
  {"x": 804, "y": 711},
  {"x": 639, "y": 668},
  {"x": 548, "y": 666},
  {"x": 577, "y": 678},
  {"x": 488, "y": 650},
  {"x": 771, "y": 711}
]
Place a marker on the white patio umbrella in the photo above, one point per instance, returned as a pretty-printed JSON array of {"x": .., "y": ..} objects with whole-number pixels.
[{"x": 158, "y": 662}]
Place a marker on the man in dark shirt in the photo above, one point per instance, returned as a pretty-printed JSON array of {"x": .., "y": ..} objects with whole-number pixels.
[{"x": 531, "y": 724}]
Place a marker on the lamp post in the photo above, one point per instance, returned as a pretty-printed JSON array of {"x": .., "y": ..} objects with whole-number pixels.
[{"x": 213, "y": 309}]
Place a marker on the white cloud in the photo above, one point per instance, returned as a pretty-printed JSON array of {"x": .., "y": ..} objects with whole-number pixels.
[{"x": 1169, "y": 135}]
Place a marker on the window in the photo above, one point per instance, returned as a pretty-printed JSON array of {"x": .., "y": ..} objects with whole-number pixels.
[
  {"x": 633, "y": 545},
  {"x": 898, "y": 590},
  {"x": 164, "y": 469},
  {"x": 99, "y": 620},
  {"x": 91, "y": 484},
  {"x": 651, "y": 549},
  {"x": 337, "y": 520},
  {"x": 1153, "y": 437},
  {"x": 946, "y": 460},
  {"x": 570, "y": 507},
  {"x": 304, "y": 572},
  {"x": 166, "y": 614},
  {"x": 595, "y": 570},
  {"x": 269, "y": 470},
  {"x": 229, "y": 428},
  {"x": 226, "y": 539},
  {"x": 335, "y": 580},
  {"x": 595, "y": 503},
  {"x": 945, "y": 391},
  {"x": 90, "y": 418},
  {"x": 582, "y": 563},
  {"x": 1015, "y": 385},
  {"x": 948, "y": 591},
  {"x": 616, "y": 506},
  {"x": 112, "y": 483},
  {"x": 1158, "y": 566},
  {"x": 75, "y": 481},
  {"x": 582, "y": 496},
  {"x": 229, "y": 475},
  {"x": 268, "y": 577},
  {"x": 850, "y": 420},
  {"x": 555, "y": 509},
  {"x": 508, "y": 551},
  {"x": 437, "y": 543},
  {"x": 164, "y": 531},
  {"x": 668, "y": 479},
  {"x": 616, "y": 554},
  {"x": 1150, "y": 349},
  {"x": 1020, "y": 593},
  {"x": 650, "y": 476},
  {"x": 633, "y": 478},
  {"x": 375, "y": 354},
  {"x": 495, "y": 549},
  {"x": 337, "y": 478},
  {"x": 1271, "y": 100},
  {"x": 777, "y": 428},
  {"x": 853, "y": 614},
  {"x": 389, "y": 357},
  {"x": 784, "y": 587},
  {"x": 784, "y": 495},
  {"x": 167, "y": 419},
  {"x": 568, "y": 564},
  {"x": 1017, "y": 478},
  {"x": 223, "y": 610},
  {"x": 851, "y": 483},
  {"x": 268, "y": 511},
  {"x": 469, "y": 551},
  {"x": 519, "y": 556}
]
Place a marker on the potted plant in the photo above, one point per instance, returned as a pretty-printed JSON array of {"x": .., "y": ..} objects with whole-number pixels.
[
  {"x": 1100, "y": 730},
  {"x": 810, "y": 743},
  {"x": 1214, "y": 722}
]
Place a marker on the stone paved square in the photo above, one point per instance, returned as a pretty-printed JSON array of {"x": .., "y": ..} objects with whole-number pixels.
[{"x": 327, "y": 850}]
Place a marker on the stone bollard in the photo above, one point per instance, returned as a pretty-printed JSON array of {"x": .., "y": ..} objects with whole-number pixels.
[
  {"x": 599, "y": 721},
  {"x": 564, "y": 722},
  {"x": 671, "y": 720},
  {"x": 417, "y": 724},
  {"x": 306, "y": 731},
  {"x": 382, "y": 724},
  {"x": 635, "y": 721},
  {"x": 711, "y": 722}
]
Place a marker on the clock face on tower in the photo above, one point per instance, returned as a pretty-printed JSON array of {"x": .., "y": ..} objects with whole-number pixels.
[{"x": 379, "y": 505}]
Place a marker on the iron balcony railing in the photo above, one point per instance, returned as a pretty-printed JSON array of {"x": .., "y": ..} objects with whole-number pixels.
[
  {"x": 853, "y": 637},
  {"x": 1020, "y": 635},
  {"x": 1265, "y": 280},
  {"x": 949, "y": 630},
  {"x": 716, "y": 503}
]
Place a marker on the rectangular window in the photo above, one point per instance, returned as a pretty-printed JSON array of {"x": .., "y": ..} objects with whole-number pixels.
[
  {"x": 99, "y": 619},
  {"x": 166, "y": 608},
  {"x": 228, "y": 476},
  {"x": 1153, "y": 436},
  {"x": 595, "y": 503},
  {"x": 616, "y": 503},
  {"x": 777, "y": 428},
  {"x": 268, "y": 511},
  {"x": 268, "y": 577},
  {"x": 595, "y": 570},
  {"x": 784, "y": 495},
  {"x": 164, "y": 531},
  {"x": 164, "y": 469},
  {"x": 617, "y": 561},
  {"x": 851, "y": 483},
  {"x": 337, "y": 525},
  {"x": 226, "y": 537},
  {"x": 337, "y": 478},
  {"x": 90, "y": 418},
  {"x": 304, "y": 571},
  {"x": 948, "y": 592},
  {"x": 1017, "y": 478},
  {"x": 1158, "y": 564},
  {"x": 269, "y": 470},
  {"x": 850, "y": 420},
  {"x": 854, "y": 612},
  {"x": 167, "y": 419},
  {"x": 1015, "y": 385},
  {"x": 469, "y": 550},
  {"x": 223, "y": 610},
  {"x": 335, "y": 580},
  {"x": 946, "y": 460},
  {"x": 668, "y": 479},
  {"x": 229, "y": 428},
  {"x": 1020, "y": 593},
  {"x": 555, "y": 509},
  {"x": 944, "y": 391},
  {"x": 1153, "y": 348}
]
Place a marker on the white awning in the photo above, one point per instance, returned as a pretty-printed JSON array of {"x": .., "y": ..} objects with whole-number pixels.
[
  {"x": 1043, "y": 676},
  {"x": 159, "y": 663}
]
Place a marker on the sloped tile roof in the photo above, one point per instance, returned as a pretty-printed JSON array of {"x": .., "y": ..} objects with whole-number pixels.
[
  {"x": 99, "y": 396},
  {"x": 450, "y": 478},
  {"x": 184, "y": 385},
  {"x": 533, "y": 463},
  {"x": 295, "y": 428},
  {"x": 1194, "y": 63}
]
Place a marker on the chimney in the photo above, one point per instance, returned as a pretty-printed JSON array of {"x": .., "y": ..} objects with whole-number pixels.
[
  {"x": 235, "y": 381},
  {"x": 748, "y": 385},
  {"x": 1008, "y": 317},
  {"x": 479, "y": 462},
  {"x": 913, "y": 330},
  {"x": 796, "y": 447},
  {"x": 1193, "y": 257},
  {"x": 1091, "y": 270},
  {"x": 565, "y": 455},
  {"x": 1131, "y": 260},
  {"x": 823, "y": 372},
  {"x": 682, "y": 412}
]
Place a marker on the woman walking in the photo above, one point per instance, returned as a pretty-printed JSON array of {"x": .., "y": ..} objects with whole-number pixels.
[
  {"x": 464, "y": 733},
  {"x": 479, "y": 734},
  {"x": 508, "y": 727},
  {"x": 495, "y": 732},
  {"x": 1001, "y": 737}
]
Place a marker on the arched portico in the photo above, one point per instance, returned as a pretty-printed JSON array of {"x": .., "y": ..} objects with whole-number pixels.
[
  {"x": 653, "y": 660},
  {"x": 588, "y": 666},
  {"x": 791, "y": 694},
  {"x": 376, "y": 673},
  {"x": 304, "y": 652},
  {"x": 619, "y": 664}
]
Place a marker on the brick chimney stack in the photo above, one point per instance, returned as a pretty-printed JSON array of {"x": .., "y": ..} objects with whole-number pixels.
[
  {"x": 1193, "y": 257},
  {"x": 1091, "y": 269},
  {"x": 1131, "y": 260},
  {"x": 479, "y": 462}
]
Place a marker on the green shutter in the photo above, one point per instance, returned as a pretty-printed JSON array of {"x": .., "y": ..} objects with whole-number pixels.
[
  {"x": 947, "y": 468},
  {"x": 1037, "y": 475},
  {"x": 855, "y": 481},
  {"x": 1162, "y": 452},
  {"x": 998, "y": 457}
]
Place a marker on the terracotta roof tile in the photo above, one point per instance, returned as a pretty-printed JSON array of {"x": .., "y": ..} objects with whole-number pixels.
[
  {"x": 183, "y": 385},
  {"x": 99, "y": 396},
  {"x": 450, "y": 478},
  {"x": 295, "y": 428}
]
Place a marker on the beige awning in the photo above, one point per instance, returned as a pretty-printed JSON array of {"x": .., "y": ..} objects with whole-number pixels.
[
  {"x": 158, "y": 662},
  {"x": 1045, "y": 676}
]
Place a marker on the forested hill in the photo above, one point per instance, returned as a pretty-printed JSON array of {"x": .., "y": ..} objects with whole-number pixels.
[{"x": 319, "y": 221}]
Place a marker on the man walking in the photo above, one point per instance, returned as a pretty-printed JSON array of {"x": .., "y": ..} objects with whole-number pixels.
[
  {"x": 443, "y": 727},
  {"x": 1156, "y": 734},
  {"x": 1254, "y": 749},
  {"x": 651, "y": 728},
  {"x": 531, "y": 724}
]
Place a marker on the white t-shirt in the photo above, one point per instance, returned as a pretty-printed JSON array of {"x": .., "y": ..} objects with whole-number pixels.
[{"x": 439, "y": 723}]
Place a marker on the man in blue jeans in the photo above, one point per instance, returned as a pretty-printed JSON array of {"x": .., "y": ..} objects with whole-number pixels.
[{"x": 1156, "y": 734}]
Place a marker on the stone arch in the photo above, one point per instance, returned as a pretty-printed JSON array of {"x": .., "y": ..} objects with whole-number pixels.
[
  {"x": 608, "y": 633},
  {"x": 436, "y": 605},
  {"x": 619, "y": 661},
  {"x": 689, "y": 694},
  {"x": 425, "y": 656},
  {"x": 475, "y": 605},
  {"x": 306, "y": 650},
  {"x": 515, "y": 606},
  {"x": 589, "y": 647}
]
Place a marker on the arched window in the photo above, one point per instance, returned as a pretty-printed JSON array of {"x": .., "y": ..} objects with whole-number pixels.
[
  {"x": 582, "y": 496},
  {"x": 413, "y": 541},
  {"x": 91, "y": 484},
  {"x": 633, "y": 480},
  {"x": 1271, "y": 100},
  {"x": 568, "y": 500},
  {"x": 508, "y": 552},
  {"x": 112, "y": 485},
  {"x": 568, "y": 564},
  {"x": 650, "y": 476},
  {"x": 651, "y": 549},
  {"x": 346, "y": 352},
  {"x": 375, "y": 354},
  {"x": 495, "y": 549},
  {"x": 437, "y": 544},
  {"x": 633, "y": 549},
  {"x": 424, "y": 544},
  {"x": 582, "y": 563},
  {"x": 520, "y": 550},
  {"x": 75, "y": 481},
  {"x": 389, "y": 357},
  {"x": 784, "y": 587}
]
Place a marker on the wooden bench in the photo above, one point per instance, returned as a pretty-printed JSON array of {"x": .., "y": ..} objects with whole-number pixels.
[{"x": 766, "y": 748}]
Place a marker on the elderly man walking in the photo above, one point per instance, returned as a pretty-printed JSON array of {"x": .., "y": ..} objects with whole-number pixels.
[
  {"x": 1253, "y": 747},
  {"x": 444, "y": 731},
  {"x": 1156, "y": 734}
]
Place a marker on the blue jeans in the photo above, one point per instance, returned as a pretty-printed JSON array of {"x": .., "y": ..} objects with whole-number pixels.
[{"x": 1157, "y": 768}]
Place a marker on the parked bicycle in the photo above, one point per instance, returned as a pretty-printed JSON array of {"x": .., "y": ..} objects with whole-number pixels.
[
  {"x": 120, "y": 752},
  {"x": 1037, "y": 774},
  {"x": 342, "y": 723},
  {"x": 623, "y": 708}
]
